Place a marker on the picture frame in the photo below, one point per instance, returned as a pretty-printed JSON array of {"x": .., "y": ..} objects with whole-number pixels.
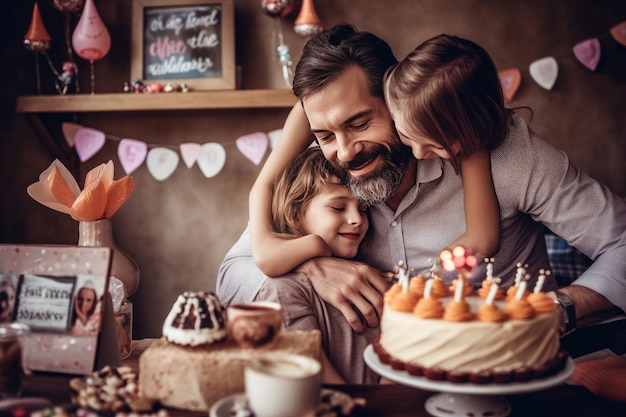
[
  {"x": 184, "y": 41},
  {"x": 60, "y": 293}
]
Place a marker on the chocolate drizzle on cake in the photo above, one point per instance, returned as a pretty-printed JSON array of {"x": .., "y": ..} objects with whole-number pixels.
[{"x": 196, "y": 318}]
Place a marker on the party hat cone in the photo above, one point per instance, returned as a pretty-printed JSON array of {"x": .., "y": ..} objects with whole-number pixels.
[{"x": 37, "y": 31}]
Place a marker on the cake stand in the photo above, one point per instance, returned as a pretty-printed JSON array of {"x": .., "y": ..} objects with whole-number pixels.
[{"x": 465, "y": 399}]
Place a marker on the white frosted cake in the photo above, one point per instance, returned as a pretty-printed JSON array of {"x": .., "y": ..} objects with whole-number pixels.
[{"x": 468, "y": 338}]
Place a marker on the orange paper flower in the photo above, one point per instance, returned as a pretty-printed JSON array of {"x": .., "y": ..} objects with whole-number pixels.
[{"x": 100, "y": 199}]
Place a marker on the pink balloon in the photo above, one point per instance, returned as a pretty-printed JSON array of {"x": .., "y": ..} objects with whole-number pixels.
[{"x": 91, "y": 39}]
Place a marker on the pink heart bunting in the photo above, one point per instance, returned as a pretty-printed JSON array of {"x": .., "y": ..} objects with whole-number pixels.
[
  {"x": 587, "y": 53},
  {"x": 161, "y": 162},
  {"x": 510, "y": 80},
  {"x": 131, "y": 153},
  {"x": 544, "y": 71},
  {"x": 190, "y": 152},
  {"x": 211, "y": 159},
  {"x": 253, "y": 146},
  {"x": 619, "y": 32},
  {"x": 69, "y": 130},
  {"x": 88, "y": 142}
]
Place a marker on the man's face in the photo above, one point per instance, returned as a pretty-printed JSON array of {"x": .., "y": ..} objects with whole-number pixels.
[{"x": 355, "y": 132}]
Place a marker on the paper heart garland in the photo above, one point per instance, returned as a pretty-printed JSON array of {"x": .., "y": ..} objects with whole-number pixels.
[
  {"x": 131, "y": 153},
  {"x": 162, "y": 162},
  {"x": 190, "y": 152},
  {"x": 88, "y": 142},
  {"x": 253, "y": 146},
  {"x": 588, "y": 53},
  {"x": 69, "y": 130},
  {"x": 274, "y": 136},
  {"x": 619, "y": 33},
  {"x": 545, "y": 71},
  {"x": 211, "y": 159},
  {"x": 510, "y": 80}
]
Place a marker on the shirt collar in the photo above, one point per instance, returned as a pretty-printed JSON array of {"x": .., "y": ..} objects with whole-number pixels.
[{"x": 429, "y": 170}]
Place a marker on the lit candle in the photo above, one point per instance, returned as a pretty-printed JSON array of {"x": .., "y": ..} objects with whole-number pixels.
[
  {"x": 458, "y": 291},
  {"x": 521, "y": 289},
  {"x": 489, "y": 268},
  {"x": 492, "y": 293},
  {"x": 520, "y": 274},
  {"x": 428, "y": 288},
  {"x": 403, "y": 276},
  {"x": 540, "y": 280}
]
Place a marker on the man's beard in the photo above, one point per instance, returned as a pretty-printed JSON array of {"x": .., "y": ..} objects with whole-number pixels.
[{"x": 376, "y": 187}]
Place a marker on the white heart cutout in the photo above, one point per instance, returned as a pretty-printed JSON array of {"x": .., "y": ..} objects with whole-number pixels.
[
  {"x": 162, "y": 162},
  {"x": 211, "y": 159},
  {"x": 545, "y": 71}
]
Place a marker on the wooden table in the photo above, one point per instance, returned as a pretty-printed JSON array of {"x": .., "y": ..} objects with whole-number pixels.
[{"x": 387, "y": 400}]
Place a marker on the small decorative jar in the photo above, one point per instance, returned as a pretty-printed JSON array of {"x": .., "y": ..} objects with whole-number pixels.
[{"x": 11, "y": 371}]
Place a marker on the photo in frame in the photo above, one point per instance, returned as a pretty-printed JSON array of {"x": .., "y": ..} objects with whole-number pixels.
[
  {"x": 188, "y": 41},
  {"x": 61, "y": 294}
]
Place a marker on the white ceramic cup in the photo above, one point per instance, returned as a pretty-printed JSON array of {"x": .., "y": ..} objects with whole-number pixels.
[{"x": 283, "y": 385}]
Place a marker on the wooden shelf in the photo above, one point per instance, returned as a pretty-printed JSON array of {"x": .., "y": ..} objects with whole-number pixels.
[{"x": 193, "y": 100}]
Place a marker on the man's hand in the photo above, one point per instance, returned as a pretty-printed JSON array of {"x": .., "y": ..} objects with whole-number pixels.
[
  {"x": 350, "y": 287},
  {"x": 591, "y": 307}
]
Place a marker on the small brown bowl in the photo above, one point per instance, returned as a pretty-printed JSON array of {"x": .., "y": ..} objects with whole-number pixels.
[{"x": 254, "y": 324}]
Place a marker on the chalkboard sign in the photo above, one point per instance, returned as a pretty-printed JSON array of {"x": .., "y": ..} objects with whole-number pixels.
[{"x": 190, "y": 41}]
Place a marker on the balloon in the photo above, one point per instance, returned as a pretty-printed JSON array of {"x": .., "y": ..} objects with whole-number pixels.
[
  {"x": 91, "y": 39},
  {"x": 68, "y": 6},
  {"x": 280, "y": 8},
  {"x": 37, "y": 38}
]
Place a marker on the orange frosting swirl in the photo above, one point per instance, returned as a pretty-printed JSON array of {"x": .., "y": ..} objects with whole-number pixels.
[
  {"x": 439, "y": 290},
  {"x": 490, "y": 313},
  {"x": 467, "y": 287},
  {"x": 520, "y": 309},
  {"x": 404, "y": 301},
  {"x": 510, "y": 293},
  {"x": 417, "y": 285},
  {"x": 458, "y": 311},
  {"x": 429, "y": 308},
  {"x": 392, "y": 292},
  {"x": 483, "y": 292},
  {"x": 541, "y": 302}
]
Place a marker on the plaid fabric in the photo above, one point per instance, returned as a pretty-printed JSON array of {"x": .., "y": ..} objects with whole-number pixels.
[{"x": 567, "y": 263}]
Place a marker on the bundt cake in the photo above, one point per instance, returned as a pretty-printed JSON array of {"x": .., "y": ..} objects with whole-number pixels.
[{"x": 196, "y": 318}]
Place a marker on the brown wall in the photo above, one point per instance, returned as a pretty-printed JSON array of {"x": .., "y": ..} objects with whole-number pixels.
[{"x": 178, "y": 230}]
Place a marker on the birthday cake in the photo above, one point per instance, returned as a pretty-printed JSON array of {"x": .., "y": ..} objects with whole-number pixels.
[
  {"x": 456, "y": 335},
  {"x": 196, "y": 363}
]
